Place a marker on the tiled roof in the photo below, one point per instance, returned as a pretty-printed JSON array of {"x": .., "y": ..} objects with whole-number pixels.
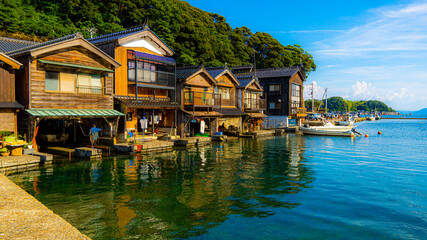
[
  {"x": 243, "y": 67},
  {"x": 272, "y": 72},
  {"x": 147, "y": 102},
  {"x": 185, "y": 72},
  {"x": 215, "y": 71},
  {"x": 230, "y": 111},
  {"x": 118, "y": 35},
  {"x": 244, "y": 80},
  {"x": 10, "y": 44},
  {"x": 35, "y": 46}
]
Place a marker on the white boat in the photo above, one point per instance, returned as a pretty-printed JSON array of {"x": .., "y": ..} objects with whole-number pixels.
[
  {"x": 371, "y": 118},
  {"x": 329, "y": 130},
  {"x": 348, "y": 122}
]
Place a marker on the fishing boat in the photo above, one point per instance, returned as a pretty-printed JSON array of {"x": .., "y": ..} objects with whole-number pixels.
[
  {"x": 329, "y": 130},
  {"x": 370, "y": 118},
  {"x": 348, "y": 121}
]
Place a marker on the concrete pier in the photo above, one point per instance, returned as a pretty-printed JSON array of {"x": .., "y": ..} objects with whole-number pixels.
[
  {"x": 12, "y": 164},
  {"x": 191, "y": 141},
  {"x": 24, "y": 217}
]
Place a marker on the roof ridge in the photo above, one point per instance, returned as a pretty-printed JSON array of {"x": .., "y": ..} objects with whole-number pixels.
[
  {"x": 189, "y": 67},
  {"x": 129, "y": 30},
  {"x": 18, "y": 40},
  {"x": 21, "y": 50}
]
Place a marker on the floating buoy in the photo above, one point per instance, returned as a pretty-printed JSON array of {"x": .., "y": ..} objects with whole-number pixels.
[
  {"x": 379, "y": 132},
  {"x": 358, "y": 135},
  {"x": 366, "y": 135}
]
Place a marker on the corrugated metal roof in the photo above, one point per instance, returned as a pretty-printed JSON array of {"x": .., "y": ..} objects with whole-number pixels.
[
  {"x": 31, "y": 47},
  {"x": 75, "y": 65},
  {"x": 50, "y": 112},
  {"x": 11, "y": 44}
]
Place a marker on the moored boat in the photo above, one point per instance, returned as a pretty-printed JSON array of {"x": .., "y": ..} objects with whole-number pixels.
[
  {"x": 329, "y": 130},
  {"x": 371, "y": 118}
]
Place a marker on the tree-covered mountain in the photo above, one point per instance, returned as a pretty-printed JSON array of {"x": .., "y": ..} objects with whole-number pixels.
[
  {"x": 340, "y": 104},
  {"x": 198, "y": 37}
]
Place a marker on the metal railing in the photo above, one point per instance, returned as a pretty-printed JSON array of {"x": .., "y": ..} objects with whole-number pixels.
[
  {"x": 255, "y": 104},
  {"x": 298, "y": 112},
  {"x": 90, "y": 89},
  {"x": 202, "y": 99}
]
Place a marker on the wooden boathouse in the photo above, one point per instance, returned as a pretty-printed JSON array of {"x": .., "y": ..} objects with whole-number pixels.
[
  {"x": 66, "y": 87},
  {"x": 144, "y": 84}
]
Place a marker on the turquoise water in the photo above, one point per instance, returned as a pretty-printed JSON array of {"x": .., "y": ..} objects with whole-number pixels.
[{"x": 288, "y": 187}]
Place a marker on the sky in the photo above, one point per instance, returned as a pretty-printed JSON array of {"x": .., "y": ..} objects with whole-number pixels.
[{"x": 363, "y": 49}]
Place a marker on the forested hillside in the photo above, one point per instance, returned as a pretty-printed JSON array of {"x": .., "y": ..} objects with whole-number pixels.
[
  {"x": 340, "y": 104},
  {"x": 197, "y": 37}
]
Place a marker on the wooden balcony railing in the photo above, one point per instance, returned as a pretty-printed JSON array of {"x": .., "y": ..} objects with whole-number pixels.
[
  {"x": 90, "y": 89},
  {"x": 255, "y": 104},
  {"x": 202, "y": 99},
  {"x": 298, "y": 112}
]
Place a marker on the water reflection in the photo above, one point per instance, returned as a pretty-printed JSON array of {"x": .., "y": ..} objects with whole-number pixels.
[{"x": 178, "y": 194}]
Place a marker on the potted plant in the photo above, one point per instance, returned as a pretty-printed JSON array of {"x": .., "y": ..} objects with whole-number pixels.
[{"x": 4, "y": 152}]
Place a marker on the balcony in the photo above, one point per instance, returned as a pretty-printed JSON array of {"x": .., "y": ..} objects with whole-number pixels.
[
  {"x": 89, "y": 89},
  {"x": 298, "y": 112},
  {"x": 202, "y": 99},
  {"x": 255, "y": 104}
]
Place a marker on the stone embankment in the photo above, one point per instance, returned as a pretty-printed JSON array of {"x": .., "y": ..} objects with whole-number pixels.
[{"x": 24, "y": 217}]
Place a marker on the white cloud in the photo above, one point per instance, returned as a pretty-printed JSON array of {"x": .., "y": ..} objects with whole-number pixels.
[
  {"x": 367, "y": 91},
  {"x": 317, "y": 90}
]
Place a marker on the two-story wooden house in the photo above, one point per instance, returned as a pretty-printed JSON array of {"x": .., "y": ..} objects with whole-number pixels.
[
  {"x": 198, "y": 97},
  {"x": 249, "y": 97},
  {"x": 8, "y": 106},
  {"x": 227, "y": 83},
  {"x": 66, "y": 87},
  {"x": 283, "y": 88},
  {"x": 144, "y": 84}
]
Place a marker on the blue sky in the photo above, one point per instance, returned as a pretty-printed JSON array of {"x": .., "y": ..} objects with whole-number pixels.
[{"x": 363, "y": 49}]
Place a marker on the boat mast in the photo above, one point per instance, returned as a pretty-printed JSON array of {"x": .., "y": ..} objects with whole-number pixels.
[
  {"x": 312, "y": 97},
  {"x": 326, "y": 98}
]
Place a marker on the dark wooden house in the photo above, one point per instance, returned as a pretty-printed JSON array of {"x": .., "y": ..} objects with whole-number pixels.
[
  {"x": 66, "y": 86},
  {"x": 198, "y": 98},
  {"x": 283, "y": 88},
  {"x": 8, "y": 106},
  {"x": 144, "y": 84},
  {"x": 249, "y": 97}
]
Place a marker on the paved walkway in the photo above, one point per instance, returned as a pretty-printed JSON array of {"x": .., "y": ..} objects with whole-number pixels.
[{"x": 24, "y": 217}]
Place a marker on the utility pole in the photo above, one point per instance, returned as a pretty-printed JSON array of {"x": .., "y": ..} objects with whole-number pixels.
[
  {"x": 326, "y": 106},
  {"x": 312, "y": 97}
]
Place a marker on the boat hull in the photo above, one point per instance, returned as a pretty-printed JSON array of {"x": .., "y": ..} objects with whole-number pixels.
[{"x": 336, "y": 131}]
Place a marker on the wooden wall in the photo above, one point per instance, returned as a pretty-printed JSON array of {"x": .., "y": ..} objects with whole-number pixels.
[
  {"x": 7, "y": 84},
  {"x": 121, "y": 73},
  {"x": 8, "y": 120},
  {"x": 39, "y": 98}
]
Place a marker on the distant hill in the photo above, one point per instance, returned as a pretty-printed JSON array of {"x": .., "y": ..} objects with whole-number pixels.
[
  {"x": 340, "y": 104},
  {"x": 420, "y": 112}
]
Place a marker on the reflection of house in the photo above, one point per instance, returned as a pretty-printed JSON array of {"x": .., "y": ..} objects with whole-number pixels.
[
  {"x": 144, "y": 85},
  {"x": 63, "y": 83},
  {"x": 249, "y": 94},
  {"x": 284, "y": 88},
  {"x": 8, "y": 106},
  {"x": 196, "y": 92},
  {"x": 231, "y": 115}
]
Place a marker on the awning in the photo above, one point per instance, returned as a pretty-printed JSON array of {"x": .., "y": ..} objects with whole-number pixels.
[
  {"x": 202, "y": 113},
  {"x": 67, "y": 113},
  {"x": 257, "y": 115},
  {"x": 230, "y": 111},
  {"x": 10, "y": 105},
  {"x": 74, "y": 65},
  {"x": 153, "y": 86},
  {"x": 144, "y": 102}
]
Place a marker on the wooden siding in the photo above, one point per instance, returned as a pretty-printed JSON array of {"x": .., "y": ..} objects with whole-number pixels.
[
  {"x": 121, "y": 73},
  {"x": 8, "y": 120},
  {"x": 37, "y": 97},
  {"x": 200, "y": 80},
  {"x": 7, "y": 84},
  {"x": 225, "y": 80},
  {"x": 22, "y": 92}
]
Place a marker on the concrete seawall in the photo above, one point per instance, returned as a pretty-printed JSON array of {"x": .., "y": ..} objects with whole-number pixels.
[{"x": 24, "y": 217}]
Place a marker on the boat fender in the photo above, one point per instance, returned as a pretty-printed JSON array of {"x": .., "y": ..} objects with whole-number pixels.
[{"x": 379, "y": 132}]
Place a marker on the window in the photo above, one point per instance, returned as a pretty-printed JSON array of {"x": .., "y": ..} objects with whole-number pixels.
[
  {"x": 131, "y": 70},
  {"x": 296, "y": 90},
  {"x": 274, "y": 88},
  {"x": 51, "y": 82},
  {"x": 225, "y": 93},
  {"x": 89, "y": 83},
  {"x": 274, "y": 105},
  {"x": 59, "y": 81},
  {"x": 296, "y": 97}
]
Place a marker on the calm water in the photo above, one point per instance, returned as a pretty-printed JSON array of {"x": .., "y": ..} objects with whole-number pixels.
[{"x": 289, "y": 187}]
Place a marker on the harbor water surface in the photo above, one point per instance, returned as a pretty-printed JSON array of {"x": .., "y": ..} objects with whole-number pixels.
[{"x": 287, "y": 187}]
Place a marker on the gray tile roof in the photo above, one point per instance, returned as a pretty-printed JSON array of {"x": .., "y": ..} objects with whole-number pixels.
[
  {"x": 11, "y": 44},
  {"x": 10, "y": 105},
  {"x": 35, "y": 46},
  {"x": 230, "y": 111},
  {"x": 243, "y": 67},
  {"x": 244, "y": 80},
  {"x": 272, "y": 72},
  {"x": 215, "y": 71},
  {"x": 185, "y": 72}
]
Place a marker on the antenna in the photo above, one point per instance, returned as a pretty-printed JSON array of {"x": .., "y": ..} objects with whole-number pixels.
[
  {"x": 253, "y": 53},
  {"x": 91, "y": 31}
]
